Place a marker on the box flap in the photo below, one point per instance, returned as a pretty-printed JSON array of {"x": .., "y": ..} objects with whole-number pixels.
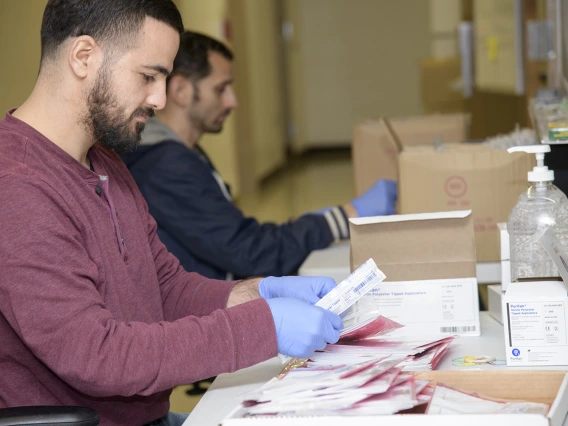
[
  {"x": 416, "y": 247},
  {"x": 378, "y": 142},
  {"x": 535, "y": 291},
  {"x": 431, "y": 129},
  {"x": 375, "y": 154},
  {"x": 409, "y": 217},
  {"x": 535, "y": 386}
]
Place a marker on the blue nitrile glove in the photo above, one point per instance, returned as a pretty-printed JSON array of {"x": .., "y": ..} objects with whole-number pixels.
[
  {"x": 301, "y": 328},
  {"x": 379, "y": 200},
  {"x": 309, "y": 289}
]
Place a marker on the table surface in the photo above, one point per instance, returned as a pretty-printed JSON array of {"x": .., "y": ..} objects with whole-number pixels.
[
  {"x": 334, "y": 262},
  {"x": 224, "y": 394}
]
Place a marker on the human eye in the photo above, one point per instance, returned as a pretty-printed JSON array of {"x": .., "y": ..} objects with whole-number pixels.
[{"x": 149, "y": 78}]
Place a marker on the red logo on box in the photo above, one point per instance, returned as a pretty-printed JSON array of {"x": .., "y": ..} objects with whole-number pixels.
[{"x": 455, "y": 186}]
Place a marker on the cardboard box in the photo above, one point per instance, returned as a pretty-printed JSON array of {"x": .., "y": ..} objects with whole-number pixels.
[
  {"x": 535, "y": 386},
  {"x": 534, "y": 312},
  {"x": 429, "y": 261},
  {"x": 441, "y": 82},
  {"x": 378, "y": 143},
  {"x": 494, "y": 295},
  {"x": 536, "y": 324},
  {"x": 464, "y": 176}
]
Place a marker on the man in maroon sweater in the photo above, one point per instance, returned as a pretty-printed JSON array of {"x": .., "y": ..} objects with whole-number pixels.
[{"x": 94, "y": 310}]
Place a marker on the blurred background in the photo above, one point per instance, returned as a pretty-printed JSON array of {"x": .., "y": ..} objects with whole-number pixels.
[{"x": 307, "y": 71}]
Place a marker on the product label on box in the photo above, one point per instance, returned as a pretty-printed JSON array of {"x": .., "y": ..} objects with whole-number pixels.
[
  {"x": 430, "y": 306},
  {"x": 537, "y": 324}
]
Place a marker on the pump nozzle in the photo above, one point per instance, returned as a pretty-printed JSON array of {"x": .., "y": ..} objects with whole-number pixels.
[{"x": 540, "y": 173}]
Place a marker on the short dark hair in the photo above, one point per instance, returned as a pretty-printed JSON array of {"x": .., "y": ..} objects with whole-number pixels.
[
  {"x": 101, "y": 19},
  {"x": 192, "y": 59}
]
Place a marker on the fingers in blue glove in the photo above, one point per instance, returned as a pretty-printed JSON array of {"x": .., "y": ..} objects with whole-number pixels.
[
  {"x": 379, "y": 200},
  {"x": 301, "y": 328},
  {"x": 309, "y": 289}
]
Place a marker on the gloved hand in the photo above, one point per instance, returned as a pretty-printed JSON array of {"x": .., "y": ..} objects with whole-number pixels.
[
  {"x": 301, "y": 328},
  {"x": 379, "y": 200},
  {"x": 309, "y": 289}
]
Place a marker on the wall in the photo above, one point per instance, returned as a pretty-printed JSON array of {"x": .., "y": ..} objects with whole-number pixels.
[
  {"x": 20, "y": 23},
  {"x": 349, "y": 60},
  {"x": 260, "y": 117}
]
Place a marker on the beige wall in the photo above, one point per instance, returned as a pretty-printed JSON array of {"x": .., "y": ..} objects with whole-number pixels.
[
  {"x": 20, "y": 23},
  {"x": 445, "y": 16},
  {"x": 259, "y": 82},
  {"x": 350, "y": 60}
]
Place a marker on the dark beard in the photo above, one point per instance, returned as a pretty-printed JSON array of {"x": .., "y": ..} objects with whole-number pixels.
[{"x": 108, "y": 126}]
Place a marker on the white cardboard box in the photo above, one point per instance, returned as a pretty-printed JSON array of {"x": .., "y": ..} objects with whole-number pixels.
[
  {"x": 505, "y": 256},
  {"x": 504, "y": 241},
  {"x": 535, "y": 386},
  {"x": 535, "y": 324},
  {"x": 495, "y": 308},
  {"x": 534, "y": 312},
  {"x": 429, "y": 261},
  {"x": 505, "y": 274}
]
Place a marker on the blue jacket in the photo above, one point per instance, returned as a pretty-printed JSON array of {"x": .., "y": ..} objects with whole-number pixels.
[{"x": 200, "y": 225}]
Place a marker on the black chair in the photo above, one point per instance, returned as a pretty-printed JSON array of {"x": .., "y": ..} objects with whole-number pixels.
[{"x": 48, "y": 416}]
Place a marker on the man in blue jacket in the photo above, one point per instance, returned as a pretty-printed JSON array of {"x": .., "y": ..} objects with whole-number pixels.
[{"x": 196, "y": 217}]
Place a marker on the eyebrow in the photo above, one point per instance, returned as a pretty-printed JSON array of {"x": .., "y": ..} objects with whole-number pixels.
[
  {"x": 225, "y": 82},
  {"x": 158, "y": 68}
]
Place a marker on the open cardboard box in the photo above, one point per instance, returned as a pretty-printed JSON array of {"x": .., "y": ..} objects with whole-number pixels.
[
  {"x": 377, "y": 143},
  {"x": 465, "y": 176},
  {"x": 534, "y": 386},
  {"x": 547, "y": 386},
  {"x": 430, "y": 268},
  {"x": 437, "y": 172}
]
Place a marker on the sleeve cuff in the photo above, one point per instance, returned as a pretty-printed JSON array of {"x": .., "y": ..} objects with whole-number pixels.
[{"x": 338, "y": 223}]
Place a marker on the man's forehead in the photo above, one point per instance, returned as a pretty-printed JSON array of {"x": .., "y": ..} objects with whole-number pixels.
[
  {"x": 221, "y": 67},
  {"x": 157, "y": 46}
]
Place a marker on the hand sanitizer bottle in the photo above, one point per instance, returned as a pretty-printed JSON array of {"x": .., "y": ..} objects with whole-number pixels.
[{"x": 540, "y": 207}]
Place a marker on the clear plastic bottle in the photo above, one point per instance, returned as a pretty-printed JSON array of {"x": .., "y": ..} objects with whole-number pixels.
[{"x": 542, "y": 206}]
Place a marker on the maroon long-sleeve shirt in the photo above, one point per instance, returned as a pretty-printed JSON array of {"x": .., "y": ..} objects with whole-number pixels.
[{"x": 93, "y": 309}]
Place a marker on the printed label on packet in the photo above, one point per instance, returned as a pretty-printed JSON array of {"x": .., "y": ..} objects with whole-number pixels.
[
  {"x": 352, "y": 288},
  {"x": 349, "y": 291}
]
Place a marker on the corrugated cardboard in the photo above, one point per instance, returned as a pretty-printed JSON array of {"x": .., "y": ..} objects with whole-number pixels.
[
  {"x": 416, "y": 247},
  {"x": 430, "y": 129},
  {"x": 429, "y": 261},
  {"x": 441, "y": 80},
  {"x": 465, "y": 176},
  {"x": 534, "y": 386},
  {"x": 377, "y": 143}
]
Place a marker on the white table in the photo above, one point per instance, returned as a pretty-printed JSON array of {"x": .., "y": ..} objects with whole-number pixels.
[
  {"x": 334, "y": 262},
  {"x": 224, "y": 394}
]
